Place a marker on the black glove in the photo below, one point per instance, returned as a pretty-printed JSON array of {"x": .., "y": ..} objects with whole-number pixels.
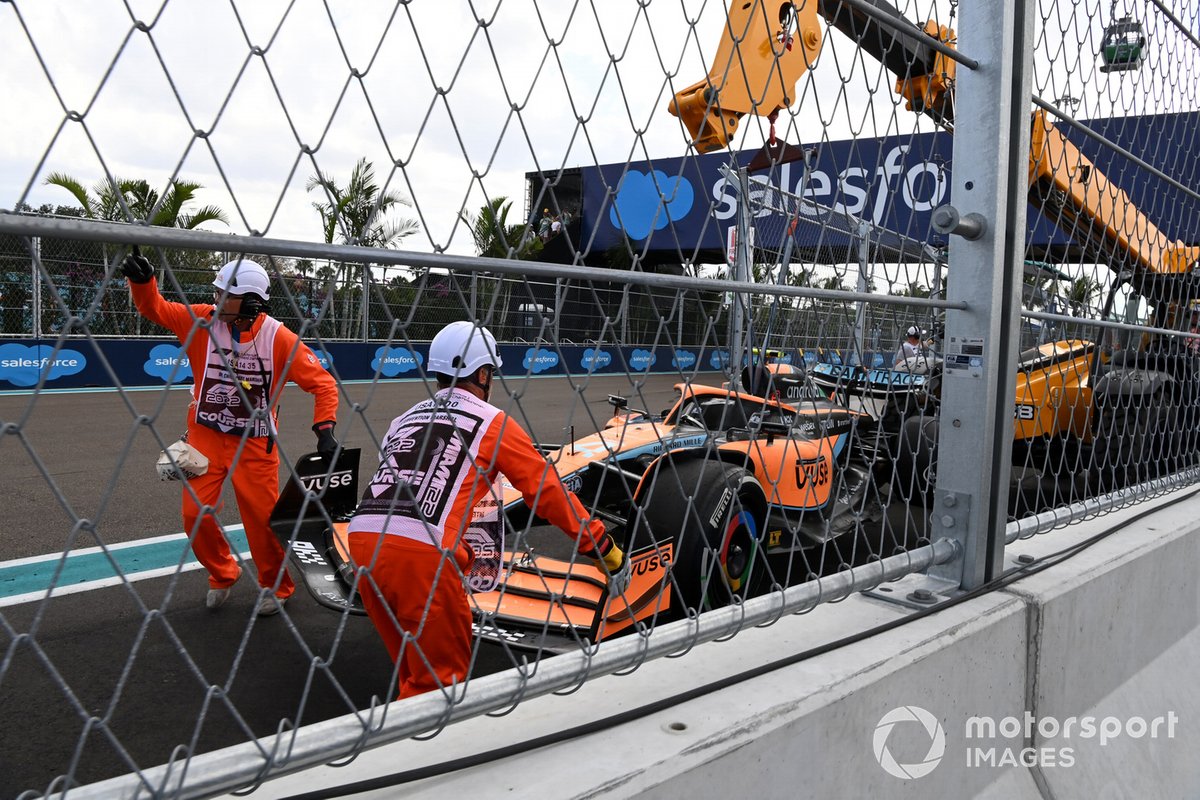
[
  {"x": 136, "y": 268},
  {"x": 326, "y": 444}
]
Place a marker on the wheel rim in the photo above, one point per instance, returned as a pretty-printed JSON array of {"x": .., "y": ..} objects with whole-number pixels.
[{"x": 739, "y": 545}]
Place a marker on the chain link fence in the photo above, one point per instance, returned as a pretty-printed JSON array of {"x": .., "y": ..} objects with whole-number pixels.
[{"x": 327, "y": 298}]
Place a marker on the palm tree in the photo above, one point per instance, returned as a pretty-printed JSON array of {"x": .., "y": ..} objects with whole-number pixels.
[
  {"x": 915, "y": 289},
  {"x": 358, "y": 215},
  {"x": 1080, "y": 293},
  {"x": 495, "y": 237},
  {"x": 133, "y": 200}
]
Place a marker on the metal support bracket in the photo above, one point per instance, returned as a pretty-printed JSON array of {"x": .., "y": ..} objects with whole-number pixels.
[
  {"x": 947, "y": 220},
  {"x": 915, "y": 591},
  {"x": 951, "y": 519},
  {"x": 951, "y": 516}
]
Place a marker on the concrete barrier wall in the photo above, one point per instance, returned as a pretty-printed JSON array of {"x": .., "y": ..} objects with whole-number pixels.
[{"x": 1110, "y": 634}]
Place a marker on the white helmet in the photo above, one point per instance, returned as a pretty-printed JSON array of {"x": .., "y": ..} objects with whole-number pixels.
[
  {"x": 913, "y": 330},
  {"x": 461, "y": 348},
  {"x": 243, "y": 276}
]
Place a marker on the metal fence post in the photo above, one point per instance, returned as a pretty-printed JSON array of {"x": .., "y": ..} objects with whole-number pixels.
[
  {"x": 741, "y": 272},
  {"x": 366, "y": 301},
  {"x": 991, "y": 153},
  {"x": 35, "y": 284},
  {"x": 860, "y": 312}
]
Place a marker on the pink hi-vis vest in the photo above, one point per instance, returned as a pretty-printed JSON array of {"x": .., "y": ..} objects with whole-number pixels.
[
  {"x": 427, "y": 478},
  {"x": 226, "y": 402}
]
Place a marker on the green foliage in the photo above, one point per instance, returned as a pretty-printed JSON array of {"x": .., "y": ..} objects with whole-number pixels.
[
  {"x": 126, "y": 200},
  {"x": 358, "y": 213},
  {"x": 1080, "y": 294},
  {"x": 494, "y": 237}
]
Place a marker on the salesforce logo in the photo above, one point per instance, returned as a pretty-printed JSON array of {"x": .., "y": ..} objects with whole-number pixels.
[
  {"x": 683, "y": 359},
  {"x": 168, "y": 362},
  {"x": 865, "y": 190},
  {"x": 393, "y": 361},
  {"x": 23, "y": 366},
  {"x": 595, "y": 359},
  {"x": 642, "y": 360},
  {"x": 539, "y": 360},
  {"x": 325, "y": 359},
  {"x": 719, "y": 359},
  {"x": 647, "y": 202}
]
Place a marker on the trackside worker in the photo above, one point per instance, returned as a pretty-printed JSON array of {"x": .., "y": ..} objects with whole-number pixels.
[
  {"x": 438, "y": 460},
  {"x": 263, "y": 355},
  {"x": 911, "y": 355}
]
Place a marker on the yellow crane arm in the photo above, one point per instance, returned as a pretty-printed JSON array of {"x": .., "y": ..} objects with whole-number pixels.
[
  {"x": 764, "y": 49},
  {"x": 1069, "y": 190},
  {"x": 768, "y": 45}
]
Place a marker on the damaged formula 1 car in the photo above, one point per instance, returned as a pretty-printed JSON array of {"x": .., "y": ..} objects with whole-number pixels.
[{"x": 723, "y": 496}]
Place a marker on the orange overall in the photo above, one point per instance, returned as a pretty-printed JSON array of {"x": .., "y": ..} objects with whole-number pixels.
[
  {"x": 254, "y": 471},
  {"x": 438, "y": 460}
]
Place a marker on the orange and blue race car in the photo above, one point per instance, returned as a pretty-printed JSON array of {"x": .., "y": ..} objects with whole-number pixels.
[{"x": 725, "y": 495}]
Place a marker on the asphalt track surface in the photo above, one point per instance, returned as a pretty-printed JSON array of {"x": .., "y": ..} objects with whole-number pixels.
[{"x": 102, "y": 682}]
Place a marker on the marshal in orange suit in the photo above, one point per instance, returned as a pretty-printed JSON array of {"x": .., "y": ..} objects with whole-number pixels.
[{"x": 241, "y": 357}]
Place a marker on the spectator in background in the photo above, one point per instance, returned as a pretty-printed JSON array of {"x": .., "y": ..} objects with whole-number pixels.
[
  {"x": 555, "y": 226},
  {"x": 543, "y": 230},
  {"x": 911, "y": 356}
]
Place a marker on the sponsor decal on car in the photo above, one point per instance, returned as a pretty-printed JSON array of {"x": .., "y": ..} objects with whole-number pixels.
[
  {"x": 722, "y": 504},
  {"x": 811, "y": 470},
  {"x": 490, "y": 630},
  {"x": 306, "y": 553}
]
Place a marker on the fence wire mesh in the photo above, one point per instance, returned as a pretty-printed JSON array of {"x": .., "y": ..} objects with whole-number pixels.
[{"x": 773, "y": 325}]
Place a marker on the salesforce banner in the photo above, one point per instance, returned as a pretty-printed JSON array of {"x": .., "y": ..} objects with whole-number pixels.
[
  {"x": 82, "y": 364},
  {"x": 24, "y": 363},
  {"x": 684, "y": 204}
]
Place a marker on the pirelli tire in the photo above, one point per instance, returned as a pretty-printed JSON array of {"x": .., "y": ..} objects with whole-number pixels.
[
  {"x": 713, "y": 513},
  {"x": 916, "y": 460},
  {"x": 1134, "y": 442}
]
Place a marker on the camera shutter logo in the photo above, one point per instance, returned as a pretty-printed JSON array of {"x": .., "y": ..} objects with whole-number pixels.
[{"x": 937, "y": 742}]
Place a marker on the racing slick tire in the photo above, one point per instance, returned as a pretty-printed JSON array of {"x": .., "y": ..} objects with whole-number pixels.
[
  {"x": 713, "y": 514},
  {"x": 1133, "y": 443},
  {"x": 916, "y": 461}
]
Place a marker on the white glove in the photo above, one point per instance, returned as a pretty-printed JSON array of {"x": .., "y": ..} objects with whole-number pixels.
[
  {"x": 615, "y": 564},
  {"x": 618, "y": 582}
]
